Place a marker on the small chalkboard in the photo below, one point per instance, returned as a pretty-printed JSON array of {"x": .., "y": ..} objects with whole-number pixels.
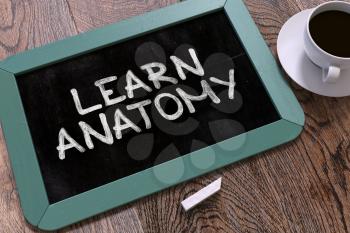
[{"x": 98, "y": 120}]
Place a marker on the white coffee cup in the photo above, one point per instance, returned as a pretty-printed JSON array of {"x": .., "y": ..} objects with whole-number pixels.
[{"x": 331, "y": 65}]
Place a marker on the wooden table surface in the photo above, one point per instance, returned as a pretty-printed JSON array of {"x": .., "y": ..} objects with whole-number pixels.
[{"x": 303, "y": 186}]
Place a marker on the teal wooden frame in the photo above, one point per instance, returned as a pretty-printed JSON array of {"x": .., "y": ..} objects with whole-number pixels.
[{"x": 29, "y": 182}]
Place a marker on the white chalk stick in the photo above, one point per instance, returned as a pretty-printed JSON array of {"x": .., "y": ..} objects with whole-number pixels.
[{"x": 201, "y": 195}]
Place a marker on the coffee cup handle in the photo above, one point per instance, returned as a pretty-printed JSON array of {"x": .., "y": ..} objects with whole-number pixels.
[{"x": 331, "y": 74}]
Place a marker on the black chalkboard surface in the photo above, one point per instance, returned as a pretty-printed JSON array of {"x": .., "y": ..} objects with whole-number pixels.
[{"x": 49, "y": 106}]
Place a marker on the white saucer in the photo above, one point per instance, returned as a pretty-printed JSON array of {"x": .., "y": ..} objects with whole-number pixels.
[{"x": 290, "y": 49}]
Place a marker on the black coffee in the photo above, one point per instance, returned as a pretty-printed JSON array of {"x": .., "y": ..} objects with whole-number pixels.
[{"x": 331, "y": 32}]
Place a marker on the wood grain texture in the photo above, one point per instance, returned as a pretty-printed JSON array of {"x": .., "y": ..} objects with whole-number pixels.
[
  {"x": 303, "y": 186},
  {"x": 90, "y": 14},
  {"x": 29, "y": 24}
]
